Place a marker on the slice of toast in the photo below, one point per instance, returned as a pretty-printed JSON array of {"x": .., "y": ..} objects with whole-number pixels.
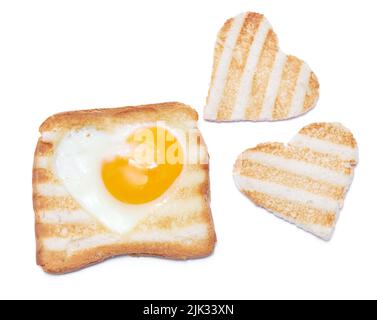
[
  {"x": 305, "y": 182},
  {"x": 69, "y": 237},
  {"x": 252, "y": 79}
]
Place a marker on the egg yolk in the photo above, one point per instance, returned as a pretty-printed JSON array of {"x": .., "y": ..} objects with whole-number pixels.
[{"x": 153, "y": 164}]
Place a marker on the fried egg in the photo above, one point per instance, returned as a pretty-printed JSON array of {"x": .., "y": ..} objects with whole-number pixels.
[{"x": 120, "y": 176}]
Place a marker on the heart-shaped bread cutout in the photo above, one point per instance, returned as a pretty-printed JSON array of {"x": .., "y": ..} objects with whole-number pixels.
[
  {"x": 305, "y": 182},
  {"x": 252, "y": 79}
]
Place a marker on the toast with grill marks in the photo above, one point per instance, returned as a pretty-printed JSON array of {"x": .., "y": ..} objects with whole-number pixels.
[
  {"x": 69, "y": 238},
  {"x": 252, "y": 79},
  {"x": 305, "y": 182}
]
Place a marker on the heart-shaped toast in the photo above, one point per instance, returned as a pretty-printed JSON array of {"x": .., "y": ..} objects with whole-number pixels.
[
  {"x": 252, "y": 79},
  {"x": 305, "y": 182}
]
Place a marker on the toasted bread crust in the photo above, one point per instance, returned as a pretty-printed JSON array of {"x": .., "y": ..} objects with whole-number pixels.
[
  {"x": 63, "y": 261},
  {"x": 58, "y": 262},
  {"x": 174, "y": 112}
]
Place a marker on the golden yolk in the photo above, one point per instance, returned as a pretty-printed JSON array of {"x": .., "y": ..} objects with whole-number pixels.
[{"x": 155, "y": 161}]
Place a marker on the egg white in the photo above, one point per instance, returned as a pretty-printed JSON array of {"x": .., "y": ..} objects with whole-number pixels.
[{"x": 78, "y": 164}]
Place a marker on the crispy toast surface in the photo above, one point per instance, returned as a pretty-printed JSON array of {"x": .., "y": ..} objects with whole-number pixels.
[
  {"x": 70, "y": 238},
  {"x": 252, "y": 79},
  {"x": 305, "y": 182}
]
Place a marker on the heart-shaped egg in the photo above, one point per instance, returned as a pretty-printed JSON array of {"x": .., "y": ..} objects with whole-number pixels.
[
  {"x": 304, "y": 182},
  {"x": 121, "y": 175},
  {"x": 252, "y": 79}
]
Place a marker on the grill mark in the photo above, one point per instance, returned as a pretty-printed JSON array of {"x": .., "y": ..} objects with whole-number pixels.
[
  {"x": 265, "y": 173},
  {"x": 287, "y": 87},
  {"x": 301, "y": 88},
  {"x": 170, "y": 221},
  {"x": 43, "y": 176},
  {"x": 261, "y": 76},
  {"x": 43, "y": 203},
  {"x": 300, "y": 213},
  {"x": 219, "y": 48},
  {"x": 312, "y": 94},
  {"x": 69, "y": 230},
  {"x": 237, "y": 66},
  {"x": 192, "y": 191}
]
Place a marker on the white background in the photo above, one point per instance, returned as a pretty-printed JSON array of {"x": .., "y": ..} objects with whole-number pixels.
[{"x": 63, "y": 55}]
